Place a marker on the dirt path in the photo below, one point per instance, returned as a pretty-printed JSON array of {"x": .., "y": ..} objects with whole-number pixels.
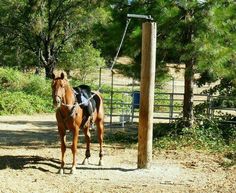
[{"x": 29, "y": 163}]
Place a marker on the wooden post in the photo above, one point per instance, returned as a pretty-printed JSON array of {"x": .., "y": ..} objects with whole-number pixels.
[{"x": 148, "y": 68}]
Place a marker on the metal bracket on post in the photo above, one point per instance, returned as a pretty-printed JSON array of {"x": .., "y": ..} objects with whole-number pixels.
[{"x": 137, "y": 16}]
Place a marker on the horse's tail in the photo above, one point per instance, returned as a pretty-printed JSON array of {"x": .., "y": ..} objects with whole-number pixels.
[{"x": 98, "y": 100}]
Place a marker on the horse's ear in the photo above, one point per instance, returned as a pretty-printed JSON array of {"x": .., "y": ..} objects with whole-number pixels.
[
  {"x": 53, "y": 76},
  {"x": 62, "y": 75}
]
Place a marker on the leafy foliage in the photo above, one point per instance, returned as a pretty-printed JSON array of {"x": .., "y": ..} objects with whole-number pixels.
[
  {"x": 180, "y": 27},
  {"x": 207, "y": 134},
  {"x": 38, "y": 31},
  {"x": 23, "y": 93},
  {"x": 21, "y": 103},
  {"x": 217, "y": 47},
  {"x": 86, "y": 59}
]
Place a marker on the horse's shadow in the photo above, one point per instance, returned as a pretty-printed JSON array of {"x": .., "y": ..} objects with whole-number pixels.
[
  {"x": 24, "y": 162},
  {"x": 46, "y": 164}
]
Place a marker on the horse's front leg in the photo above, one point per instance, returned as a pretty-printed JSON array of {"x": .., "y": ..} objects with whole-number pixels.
[
  {"x": 74, "y": 149},
  {"x": 62, "y": 134}
]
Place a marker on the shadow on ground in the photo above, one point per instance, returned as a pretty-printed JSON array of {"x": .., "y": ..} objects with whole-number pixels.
[
  {"x": 35, "y": 123},
  {"x": 28, "y": 138},
  {"x": 47, "y": 164},
  {"x": 28, "y": 133},
  {"x": 23, "y": 162}
]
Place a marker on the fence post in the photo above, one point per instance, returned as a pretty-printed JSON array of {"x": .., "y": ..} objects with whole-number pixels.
[
  {"x": 111, "y": 104},
  {"x": 132, "y": 112},
  {"x": 132, "y": 106},
  {"x": 148, "y": 68},
  {"x": 171, "y": 106},
  {"x": 172, "y": 100},
  {"x": 210, "y": 111},
  {"x": 100, "y": 77},
  {"x": 208, "y": 105}
]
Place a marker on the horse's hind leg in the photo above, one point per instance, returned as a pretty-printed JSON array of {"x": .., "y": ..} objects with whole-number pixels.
[
  {"x": 100, "y": 127},
  {"x": 88, "y": 141}
]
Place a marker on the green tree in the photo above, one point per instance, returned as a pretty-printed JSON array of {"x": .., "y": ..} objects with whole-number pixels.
[
  {"x": 178, "y": 23},
  {"x": 217, "y": 58},
  {"x": 188, "y": 32},
  {"x": 200, "y": 34},
  {"x": 112, "y": 32},
  {"x": 217, "y": 48},
  {"x": 86, "y": 59},
  {"x": 44, "y": 28}
]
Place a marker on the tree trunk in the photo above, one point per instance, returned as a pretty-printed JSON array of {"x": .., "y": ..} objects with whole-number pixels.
[
  {"x": 49, "y": 70},
  {"x": 189, "y": 71},
  {"x": 48, "y": 60},
  {"x": 188, "y": 95}
]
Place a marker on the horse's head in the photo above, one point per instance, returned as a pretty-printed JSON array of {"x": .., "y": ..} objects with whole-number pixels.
[{"x": 59, "y": 85}]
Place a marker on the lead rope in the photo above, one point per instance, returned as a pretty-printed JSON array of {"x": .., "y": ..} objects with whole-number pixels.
[
  {"x": 121, "y": 43},
  {"x": 112, "y": 65}
]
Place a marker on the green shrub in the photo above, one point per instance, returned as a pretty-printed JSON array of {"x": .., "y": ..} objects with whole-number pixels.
[
  {"x": 22, "y": 103},
  {"x": 11, "y": 79},
  {"x": 209, "y": 134},
  {"x": 216, "y": 130},
  {"x": 37, "y": 85},
  {"x": 23, "y": 93}
]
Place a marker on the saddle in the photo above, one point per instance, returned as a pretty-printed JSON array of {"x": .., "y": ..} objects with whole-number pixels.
[{"x": 83, "y": 95}]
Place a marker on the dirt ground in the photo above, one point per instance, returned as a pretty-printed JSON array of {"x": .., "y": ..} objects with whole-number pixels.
[{"x": 29, "y": 161}]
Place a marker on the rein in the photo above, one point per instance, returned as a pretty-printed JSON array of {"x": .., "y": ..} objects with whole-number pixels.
[{"x": 79, "y": 104}]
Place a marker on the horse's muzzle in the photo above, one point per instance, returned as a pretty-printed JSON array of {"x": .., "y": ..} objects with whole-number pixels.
[{"x": 57, "y": 101}]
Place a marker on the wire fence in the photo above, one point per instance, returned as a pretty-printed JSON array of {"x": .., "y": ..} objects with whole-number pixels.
[
  {"x": 123, "y": 107},
  {"x": 121, "y": 98}
]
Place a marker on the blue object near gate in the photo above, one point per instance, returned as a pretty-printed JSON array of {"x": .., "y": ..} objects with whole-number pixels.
[{"x": 136, "y": 99}]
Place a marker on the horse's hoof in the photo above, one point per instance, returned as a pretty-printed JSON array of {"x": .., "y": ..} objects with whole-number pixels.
[
  {"x": 85, "y": 162},
  {"x": 100, "y": 163},
  {"x": 61, "y": 171},
  {"x": 73, "y": 170}
]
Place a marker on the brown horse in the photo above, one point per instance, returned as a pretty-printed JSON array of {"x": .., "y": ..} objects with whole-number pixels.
[{"x": 70, "y": 116}]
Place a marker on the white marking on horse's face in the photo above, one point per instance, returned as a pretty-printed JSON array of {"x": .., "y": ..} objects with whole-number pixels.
[
  {"x": 58, "y": 92},
  {"x": 57, "y": 102}
]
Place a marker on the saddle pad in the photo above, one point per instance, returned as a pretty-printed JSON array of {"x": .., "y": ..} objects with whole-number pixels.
[{"x": 83, "y": 92}]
